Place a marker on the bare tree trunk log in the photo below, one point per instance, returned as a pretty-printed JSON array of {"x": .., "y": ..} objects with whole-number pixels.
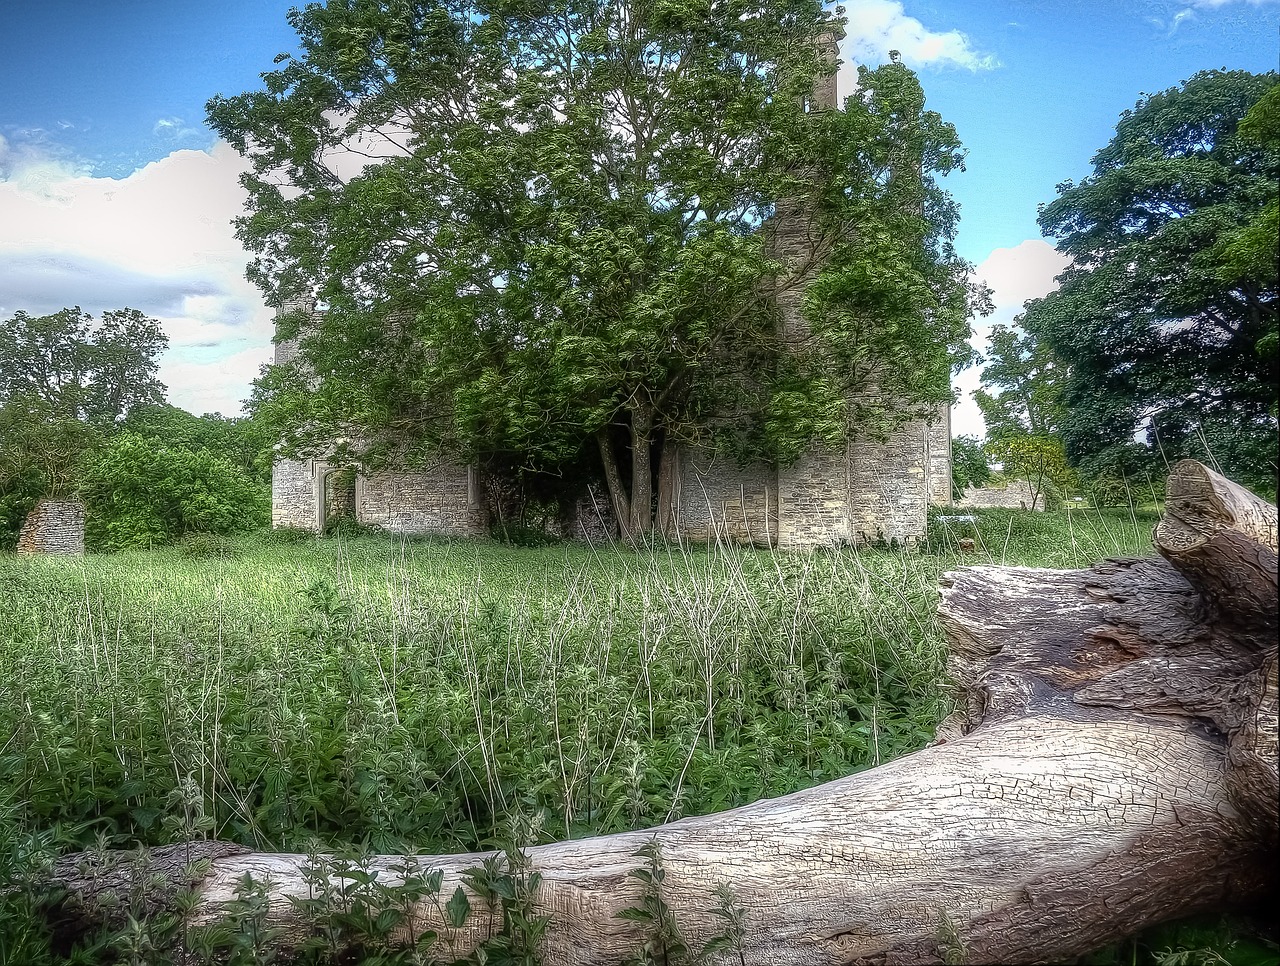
[{"x": 1112, "y": 766}]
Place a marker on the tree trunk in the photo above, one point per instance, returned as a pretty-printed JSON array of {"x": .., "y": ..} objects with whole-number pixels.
[
  {"x": 1112, "y": 765},
  {"x": 641, "y": 466},
  {"x": 666, "y": 522},
  {"x": 613, "y": 482}
]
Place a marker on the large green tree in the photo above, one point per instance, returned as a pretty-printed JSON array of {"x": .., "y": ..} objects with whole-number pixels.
[
  {"x": 80, "y": 367},
  {"x": 1024, "y": 411},
  {"x": 536, "y": 231},
  {"x": 1166, "y": 323},
  {"x": 1026, "y": 383}
]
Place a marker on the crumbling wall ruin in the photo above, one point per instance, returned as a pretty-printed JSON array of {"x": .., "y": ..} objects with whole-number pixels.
[
  {"x": 54, "y": 526},
  {"x": 1014, "y": 495}
]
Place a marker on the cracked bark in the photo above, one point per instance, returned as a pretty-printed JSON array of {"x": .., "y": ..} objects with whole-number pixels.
[{"x": 1112, "y": 765}]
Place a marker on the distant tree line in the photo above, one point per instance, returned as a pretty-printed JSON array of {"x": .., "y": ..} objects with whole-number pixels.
[
  {"x": 82, "y": 413},
  {"x": 1161, "y": 339}
]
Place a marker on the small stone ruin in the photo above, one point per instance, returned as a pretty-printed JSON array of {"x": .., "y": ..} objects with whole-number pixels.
[
  {"x": 54, "y": 526},
  {"x": 1014, "y": 495}
]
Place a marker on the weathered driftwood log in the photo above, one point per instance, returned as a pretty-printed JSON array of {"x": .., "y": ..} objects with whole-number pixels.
[{"x": 1113, "y": 765}]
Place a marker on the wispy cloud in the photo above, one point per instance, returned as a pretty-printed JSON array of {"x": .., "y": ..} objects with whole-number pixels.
[
  {"x": 159, "y": 240},
  {"x": 1190, "y": 10},
  {"x": 875, "y": 27},
  {"x": 176, "y": 129},
  {"x": 28, "y": 161}
]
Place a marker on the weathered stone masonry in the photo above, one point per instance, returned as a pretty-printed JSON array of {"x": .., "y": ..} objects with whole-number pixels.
[
  {"x": 1015, "y": 495},
  {"x": 447, "y": 498},
  {"x": 53, "y": 526}
]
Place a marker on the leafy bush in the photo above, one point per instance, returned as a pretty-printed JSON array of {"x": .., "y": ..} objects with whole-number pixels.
[
  {"x": 523, "y": 535},
  {"x": 17, "y": 496},
  {"x": 286, "y": 536},
  {"x": 969, "y": 466},
  {"x": 348, "y": 526},
  {"x": 41, "y": 453},
  {"x": 242, "y": 442},
  {"x": 1120, "y": 491},
  {"x": 138, "y": 493}
]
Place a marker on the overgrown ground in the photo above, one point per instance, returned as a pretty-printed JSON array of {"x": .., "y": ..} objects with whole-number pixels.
[{"x": 380, "y": 694}]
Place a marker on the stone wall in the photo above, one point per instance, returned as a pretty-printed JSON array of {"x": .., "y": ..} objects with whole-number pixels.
[
  {"x": 53, "y": 526},
  {"x": 445, "y": 499},
  {"x": 938, "y": 457},
  {"x": 813, "y": 499},
  {"x": 1016, "y": 495},
  {"x": 888, "y": 486},
  {"x": 865, "y": 490},
  {"x": 718, "y": 501},
  {"x": 592, "y": 521},
  {"x": 294, "y": 494}
]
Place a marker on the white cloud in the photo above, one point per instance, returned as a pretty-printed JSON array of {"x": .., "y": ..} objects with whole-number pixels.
[
  {"x": 176, "y": 129},
  {"x": 876, "y": 27},
  {"x": 1190, "y": 9},
  {"x": 1215, "y": 4},
  {"x": 191, "y": 387},
  {"x": 29, "y": 166},
  {"x": 1015, "y": 275},
  {"x": 159, "y": 240}
]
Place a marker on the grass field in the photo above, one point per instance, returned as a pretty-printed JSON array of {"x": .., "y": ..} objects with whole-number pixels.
[{"x": 372, "y": 693}]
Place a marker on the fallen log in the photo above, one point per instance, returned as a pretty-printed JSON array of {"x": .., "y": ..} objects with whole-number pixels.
[{"x": 1112, "y": 765}]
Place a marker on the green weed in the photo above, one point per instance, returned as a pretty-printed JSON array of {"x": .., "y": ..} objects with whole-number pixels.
[{"x": 372, "y": 694}]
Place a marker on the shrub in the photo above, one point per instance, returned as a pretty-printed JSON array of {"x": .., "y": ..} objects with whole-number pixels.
[
  {"x": 969, "y": 466},
  {"x": 138, "y": 493},
  {"x": 523, "y": 535},
  {"x": 287, "y": 536}
]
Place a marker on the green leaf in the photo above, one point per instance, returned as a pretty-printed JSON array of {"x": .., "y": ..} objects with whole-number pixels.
[{"x": 457, "y": 908}]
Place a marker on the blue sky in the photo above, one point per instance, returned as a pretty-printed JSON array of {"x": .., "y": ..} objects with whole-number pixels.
[{"x": 113, "y": 192}]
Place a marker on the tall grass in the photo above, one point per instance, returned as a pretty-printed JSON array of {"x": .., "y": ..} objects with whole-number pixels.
[
  {"x": 438, "y": 696},
  {"x": 419, "y": 695}
]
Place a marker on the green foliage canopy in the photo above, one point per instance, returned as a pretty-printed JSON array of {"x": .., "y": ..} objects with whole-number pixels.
[
  {"x": 244, "y": 443},
  {"x": 1038, "y": 458},
  {"x": 65, "y": 380},
  {"x": 969, "y": 466},
  {"x": 79, "y": 367},
  {"x": 41, "y": 453},
  {"x": 1166, "y": 319},
  {"x": 1028, "y": 382},
  {"x": 139, "y": 492},
  {"x": 81, "y": 411},
  {"x": 539, "y": 229}
]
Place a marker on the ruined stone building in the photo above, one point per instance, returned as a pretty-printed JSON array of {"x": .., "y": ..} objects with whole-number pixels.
[
  {"x": 54, "y": 526},
  {"x": 864, "y": 491}
]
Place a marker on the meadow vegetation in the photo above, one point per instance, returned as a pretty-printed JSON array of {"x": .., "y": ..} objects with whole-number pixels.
[{"x": 370, "y": 693}]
